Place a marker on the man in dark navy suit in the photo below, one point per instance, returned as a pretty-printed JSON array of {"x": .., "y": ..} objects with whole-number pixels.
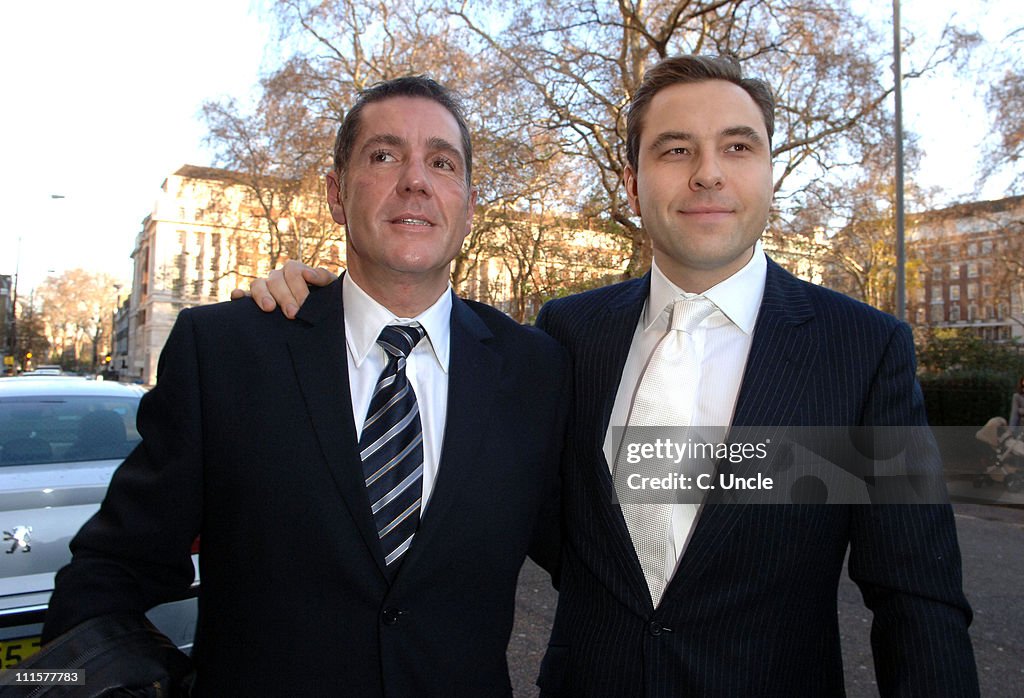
[
  {"x": 713, "y": 598},
  {"x": 744, "y": 597},
  {"x": 366, "y": 480}
]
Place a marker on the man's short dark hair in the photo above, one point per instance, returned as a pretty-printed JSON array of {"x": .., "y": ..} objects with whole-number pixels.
[
  {"x": 410, "y": 86},
  {"x": 677, "y": 70}
]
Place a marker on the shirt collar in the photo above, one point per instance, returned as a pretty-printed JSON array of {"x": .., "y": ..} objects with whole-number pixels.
[
  {"x": 365, "y": 318},
  {"x": 737, "y": 297}
]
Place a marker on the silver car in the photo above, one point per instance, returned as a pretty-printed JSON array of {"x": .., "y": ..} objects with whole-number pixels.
[{"x": 61, "y": 438}]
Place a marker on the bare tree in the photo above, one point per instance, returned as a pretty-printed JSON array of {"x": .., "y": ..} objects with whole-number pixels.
[
  {"x": 1005, "y": 101},
  {"x": 77, "y": 311},
  {"x": 548, "y": 82},
  {"x": 847, "y": 229},
  {"x": 338, "y": 48},
  {"x": 282, "y": 148},
  {"x": 32, "y": 344},
  {"x": 585, "y": 60},
  {"x": 276, "y": 154}
]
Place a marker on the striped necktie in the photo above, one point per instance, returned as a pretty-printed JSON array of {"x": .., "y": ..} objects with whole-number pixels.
[{"x": 391, "y": 447}]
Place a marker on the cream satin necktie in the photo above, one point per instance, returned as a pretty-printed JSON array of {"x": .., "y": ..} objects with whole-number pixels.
[{"x": 665, "y": 398}]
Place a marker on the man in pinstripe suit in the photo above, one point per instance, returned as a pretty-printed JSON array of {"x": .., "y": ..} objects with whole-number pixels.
[{"x": 748, "y": 606}]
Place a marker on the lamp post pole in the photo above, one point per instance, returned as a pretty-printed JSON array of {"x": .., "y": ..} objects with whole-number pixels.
[
  {"x": 901, "y": 258},
  {"x": 13, "y": 338}
]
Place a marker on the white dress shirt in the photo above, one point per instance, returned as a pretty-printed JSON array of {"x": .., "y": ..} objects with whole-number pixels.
[
  {"x": 427, "y": 366},
  {"x": 721, "y": 343}
]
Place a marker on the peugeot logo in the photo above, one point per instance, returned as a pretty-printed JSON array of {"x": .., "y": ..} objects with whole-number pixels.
[{"x": 20, "y": 538}]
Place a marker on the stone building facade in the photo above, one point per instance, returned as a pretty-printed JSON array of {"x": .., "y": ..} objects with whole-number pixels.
[{"x": 971, "y": 271}]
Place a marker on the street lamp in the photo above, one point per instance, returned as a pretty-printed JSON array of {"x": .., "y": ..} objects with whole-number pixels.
[
  {"x": 13, "y": 338},
  {"x": 12, "y": 344},
  {"x": 901, "y": 259}
]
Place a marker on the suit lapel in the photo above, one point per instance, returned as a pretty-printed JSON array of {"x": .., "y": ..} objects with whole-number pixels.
[
  {"x": 781, "y": 358},
  {"x": 318, "y": 353},
  {"x": 597, "y": 382},
  {"x": 474, "y": 374},
  {"x": 613, "y": 337},
  {"x": 781, "y": 354}
]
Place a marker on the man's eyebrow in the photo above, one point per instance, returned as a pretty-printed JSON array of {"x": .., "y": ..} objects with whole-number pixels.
[
  {"x": 743, "y": 132},
  {"x": 668, "y": 136},
  {"x": 383, "y": 139},
  {"x": 434, "y": 143},
  {"x": 731, "y": 132},
  {"x": 443, "y": 144}
]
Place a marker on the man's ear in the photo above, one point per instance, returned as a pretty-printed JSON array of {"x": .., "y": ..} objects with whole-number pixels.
[
  {"x": 629, "y": 180},
  {"x": 334, "y": 197},
  {"x": 472, "y": 210}
]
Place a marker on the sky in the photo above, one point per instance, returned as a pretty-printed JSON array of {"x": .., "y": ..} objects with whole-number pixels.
[{"x": 101, "y": 105}]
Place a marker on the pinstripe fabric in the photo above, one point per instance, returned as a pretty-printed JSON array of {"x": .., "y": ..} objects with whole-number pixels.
[{"x": 751, "y": 611}]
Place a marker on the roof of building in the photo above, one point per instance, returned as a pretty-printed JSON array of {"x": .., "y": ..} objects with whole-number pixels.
[
  {"x": 198, "y": 172},
  {"x": 970, "y": 209}
]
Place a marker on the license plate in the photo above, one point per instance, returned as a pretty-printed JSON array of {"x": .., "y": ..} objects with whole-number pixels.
[{"x": 17, "y": 650}]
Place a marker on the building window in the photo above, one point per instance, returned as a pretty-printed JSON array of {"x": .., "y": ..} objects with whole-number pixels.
[
  {"x": 986, "y": 247},
  {"x": 954, "y": 271},
  {"x": 937, "y": 273},
  {"x": 954, "y": 293},
  {"x": 937, "y": 313},
  {"x": 919, "y": 294},
  {"x": 1001, "y": 313},
  {"x": 954, "y": 313},
  {"x": 921, "y": 316},
  {"x": 937, "y": 294},
  {"x": 972, "y": 270},
  {"x": 180, "y": 274},
  {"x": 990, "y": 312},
  {"x": 972, "y": 313},
  {"x": 972, "y": 291},
  {"x": 972, "y": 249}
]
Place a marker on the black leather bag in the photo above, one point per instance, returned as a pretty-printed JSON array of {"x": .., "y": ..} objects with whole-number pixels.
[{"x": 118, "y": 655}]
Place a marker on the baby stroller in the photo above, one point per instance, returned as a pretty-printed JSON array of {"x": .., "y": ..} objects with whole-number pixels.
[{"x": 1008, "y": 467}]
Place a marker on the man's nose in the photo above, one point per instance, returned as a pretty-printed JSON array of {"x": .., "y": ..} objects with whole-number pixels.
[
  {"x": 414, "y": 179},
  {"x": 708, "y": 174}
]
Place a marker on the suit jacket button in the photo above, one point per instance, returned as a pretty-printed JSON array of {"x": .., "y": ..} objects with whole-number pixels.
[
  {"x": 391, "y": 616},
  {"x": 655, "y": 628}
]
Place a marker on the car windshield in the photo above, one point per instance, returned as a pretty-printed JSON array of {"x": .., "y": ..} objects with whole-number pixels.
[{"x": 55, "y": 429}]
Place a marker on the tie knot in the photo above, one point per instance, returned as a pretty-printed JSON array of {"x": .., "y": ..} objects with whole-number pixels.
[
  {"x": 687, "y": 313},
  {"x": 399, "y": 340}
]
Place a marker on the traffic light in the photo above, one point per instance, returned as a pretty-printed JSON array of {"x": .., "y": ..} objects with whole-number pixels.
[
  {"x": 28, "y": 356},
  {"x": 106, "y": 359}
]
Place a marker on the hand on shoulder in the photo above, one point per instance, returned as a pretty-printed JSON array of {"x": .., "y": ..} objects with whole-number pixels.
[{"x": 286, "y": 287}]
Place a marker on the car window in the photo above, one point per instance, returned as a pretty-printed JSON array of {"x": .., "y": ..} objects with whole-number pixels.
[{"x": 61, "y": 429}]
